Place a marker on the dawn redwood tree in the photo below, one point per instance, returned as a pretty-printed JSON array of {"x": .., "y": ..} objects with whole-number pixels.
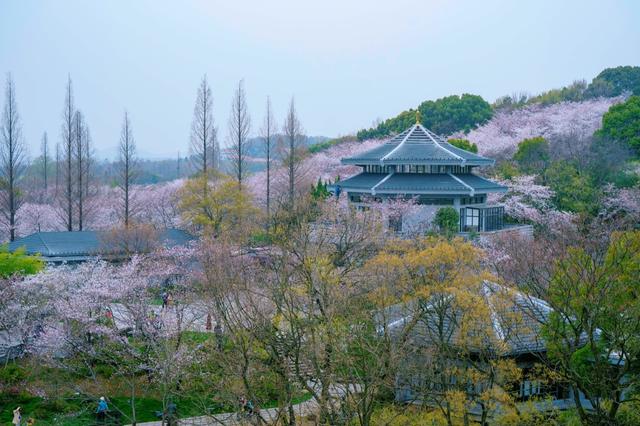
[
  {"x": 203, "y": 131},
  {"x": 268, "y": 127},
  {"x": 81, "y": 160},
  {"x": 127, "y": 168},
  {"x": 68, "y": 139},
  {"x": 239, "y": 127},
  {"x": 12, "y": 157},
  {"x": 44, "y": 149},
  {"x": 58, "y": 164},
  {"x": 293, "y": 149}
]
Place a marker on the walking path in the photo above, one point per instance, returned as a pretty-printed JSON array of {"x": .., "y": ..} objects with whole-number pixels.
[
  {"x": 270, "y": 415},
  {"x": 229, "y": 419}
]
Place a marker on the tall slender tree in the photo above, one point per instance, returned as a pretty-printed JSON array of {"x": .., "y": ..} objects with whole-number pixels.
[
  {"x": 80, "y": 142},
  {"x": 239, "y": 127},
  {"x": 88, "y": 161},
  {"x": 178, "y": 171},
  {"x": 293, "y": 149},
  {"x": 12, "y": 157},
  {"x": 68, "y": 139},
  {"x": 58, "y": 161},
  {"x": 203, "y": 130},
  {"x": 44, "y": 152},
  {"x": 127, "y": 168},
  {"x": 268, "y": 127}
]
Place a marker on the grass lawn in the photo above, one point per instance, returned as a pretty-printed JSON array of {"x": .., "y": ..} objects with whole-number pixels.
[{"x": 73, "y": 411}]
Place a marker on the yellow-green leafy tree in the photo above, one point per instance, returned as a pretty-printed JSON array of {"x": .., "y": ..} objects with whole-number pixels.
[
  {"x": 457, "y": 365},
  {"x": 224, "y": 208}
]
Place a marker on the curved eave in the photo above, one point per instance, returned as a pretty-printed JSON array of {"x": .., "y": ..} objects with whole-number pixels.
[
  {"x": 417, "y": 191},
  {"x": 415, "y": 162}
]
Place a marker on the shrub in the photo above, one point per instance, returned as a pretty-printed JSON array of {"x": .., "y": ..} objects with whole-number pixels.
[
  {"x": 447, "y": 220},
  {"x": 12, "y": 374},
  {"x": 464, "y": 144},
  {"x": 574, "y": 191},
  {"x": 622, "y": 123},
  {"x": 532, "y": 155},
  {"x": 615, "y": 81},
  {"x": 18, "y": 262}
]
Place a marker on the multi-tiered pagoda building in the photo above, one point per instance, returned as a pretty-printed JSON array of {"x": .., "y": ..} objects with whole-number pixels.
[{"x": 421, "y": 165}]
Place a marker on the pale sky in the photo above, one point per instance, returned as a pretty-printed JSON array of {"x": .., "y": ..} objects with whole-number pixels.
[{"x": 347, "y": 62}]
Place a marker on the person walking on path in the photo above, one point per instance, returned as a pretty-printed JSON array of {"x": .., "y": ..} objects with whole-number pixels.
[
  {"x": 165, "y": 299},
  {"x": 17, "y": 417},
  {"x": 103, "y": 408}
]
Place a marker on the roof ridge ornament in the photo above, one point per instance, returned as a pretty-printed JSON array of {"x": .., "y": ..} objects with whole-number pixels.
[{"x": 418, "y": 117}]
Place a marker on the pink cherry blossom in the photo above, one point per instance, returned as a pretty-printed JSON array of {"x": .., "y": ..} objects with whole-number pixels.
[{"x": 506, "y": 129}]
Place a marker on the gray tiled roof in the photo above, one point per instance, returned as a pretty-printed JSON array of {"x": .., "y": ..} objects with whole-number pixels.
[
  {"x": 418, "y": 145},
  {"x": 419, "y": 183},
  {"x": 363, "y": 181},
  {"x": 515, "y": 319},
  {"x": 80, "y": 245},
  {"x": 422, "y": 183}
]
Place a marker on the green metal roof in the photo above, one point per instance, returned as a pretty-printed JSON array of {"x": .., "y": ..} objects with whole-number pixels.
[
  {"x": 419, "y": 183},
  {"x": 418, "y": 145},
  {"x": 80, "y": 245}
]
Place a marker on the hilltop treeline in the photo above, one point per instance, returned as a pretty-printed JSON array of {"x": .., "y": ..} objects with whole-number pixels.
[{"x": 463, "y": 113}]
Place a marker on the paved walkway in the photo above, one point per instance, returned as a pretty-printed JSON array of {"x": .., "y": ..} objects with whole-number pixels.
[
  {"x": 268, "y": 414},
  {"x": 228, "y": 419}
]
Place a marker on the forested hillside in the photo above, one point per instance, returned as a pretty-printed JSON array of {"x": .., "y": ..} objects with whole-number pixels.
[{"x": 463, "y": 113}]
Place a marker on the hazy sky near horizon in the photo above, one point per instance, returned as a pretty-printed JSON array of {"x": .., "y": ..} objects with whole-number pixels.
[{"x": 347, "y": 62}]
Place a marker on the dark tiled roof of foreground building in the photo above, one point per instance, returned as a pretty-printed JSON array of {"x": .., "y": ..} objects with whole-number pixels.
[
  {"x": 515, "y": 320},
  {"x": 77, "y": 246}
]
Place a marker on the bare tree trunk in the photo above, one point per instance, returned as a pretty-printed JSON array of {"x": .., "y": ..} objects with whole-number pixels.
[
  {"x": 293, "y": 150},
  {"x": 127, "y": 167},
  {"x": 267, "y": 135},
  {"x": 58, "y": 159},
  {"x": 79, "y": 154},
  {"x": 12, "y": 153},
  {"x": 68, "y": 137},
  {"x": 45, "y": 161},
  {"x": 178, "y": 175},
  {"x": 239, "y": 126},
  {"x": 203, "y": 130}
]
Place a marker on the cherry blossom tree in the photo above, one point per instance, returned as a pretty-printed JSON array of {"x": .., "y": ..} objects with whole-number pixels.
[{"x": 507, "y": 128}]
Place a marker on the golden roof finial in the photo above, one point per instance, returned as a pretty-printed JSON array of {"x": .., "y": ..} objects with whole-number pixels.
[{"x": 418, "y": 116}]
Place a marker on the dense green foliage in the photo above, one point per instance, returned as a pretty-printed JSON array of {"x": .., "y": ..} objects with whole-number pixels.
[
  {"x": 616, "y": 81},
  {"x": 532, "y": 154},
  {"x": 575, "y": 92},
  {"x": 321, "y": 146},
  {"x": 447, "y": 220},
  {"x": 319, "y": 191},
  {"x": 18, "y": 262},
  {"x": 592, "y": 294},
  {"x": 443, "y": 116},
  {"x": 464, "y": 144},
  {"x": 454, "y": 113},
  {"x": 574, "y": 190},
  {"x": 622, "y": 123}
]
